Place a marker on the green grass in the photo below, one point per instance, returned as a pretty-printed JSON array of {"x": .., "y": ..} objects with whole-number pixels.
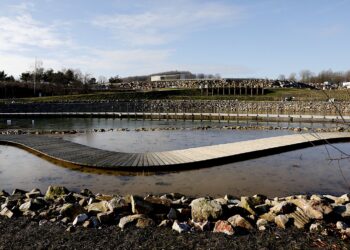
[{"x": 195, "y": 94}]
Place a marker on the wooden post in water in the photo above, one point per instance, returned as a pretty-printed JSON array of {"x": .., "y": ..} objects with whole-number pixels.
[
  {"x": 127, "y": 110},
  {"x": 237, "y": 111}
]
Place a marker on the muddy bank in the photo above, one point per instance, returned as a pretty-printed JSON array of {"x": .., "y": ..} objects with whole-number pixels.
[{"x": 22, "y": 233}]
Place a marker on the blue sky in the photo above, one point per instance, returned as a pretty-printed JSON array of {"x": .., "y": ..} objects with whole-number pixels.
[{"x": 236, "y": 38}]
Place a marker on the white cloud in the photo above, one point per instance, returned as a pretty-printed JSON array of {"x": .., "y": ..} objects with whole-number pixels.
[
  {"x": 22, "y": 31},
  {"x": 160, "y": 24}
]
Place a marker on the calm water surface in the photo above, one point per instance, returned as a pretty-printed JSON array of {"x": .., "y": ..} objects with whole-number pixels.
[{"x": 302, "y": 171}]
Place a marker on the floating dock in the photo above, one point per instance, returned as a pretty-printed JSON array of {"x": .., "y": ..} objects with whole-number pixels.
[{"x": 66, "y": 152}]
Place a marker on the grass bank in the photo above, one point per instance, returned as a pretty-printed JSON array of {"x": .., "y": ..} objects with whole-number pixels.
[{"x": 193, "y": 94}]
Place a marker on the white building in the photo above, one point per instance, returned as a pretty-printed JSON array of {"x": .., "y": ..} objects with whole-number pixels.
[{"x": 346, "y": 85}]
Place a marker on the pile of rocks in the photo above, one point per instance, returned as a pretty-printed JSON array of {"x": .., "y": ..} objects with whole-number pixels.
[{"x": 323, "y": 214}]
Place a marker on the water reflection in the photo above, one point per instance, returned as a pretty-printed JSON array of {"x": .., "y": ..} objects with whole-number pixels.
[{"x": 91, "y": 123}]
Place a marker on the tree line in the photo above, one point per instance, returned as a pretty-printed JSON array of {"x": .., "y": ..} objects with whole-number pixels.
[
  {"x": 49, "y": 82},
  {"x": 307, "y": 76}
]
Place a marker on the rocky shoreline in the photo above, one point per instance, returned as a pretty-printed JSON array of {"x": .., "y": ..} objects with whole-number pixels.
[
  {"x": 320, "y": 215},
  {"x": 184, "y": 106},
  {"x": 152, "y": 129}
]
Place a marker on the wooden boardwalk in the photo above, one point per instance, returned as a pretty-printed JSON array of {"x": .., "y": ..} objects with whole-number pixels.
[{"x": 67, "y": 152}]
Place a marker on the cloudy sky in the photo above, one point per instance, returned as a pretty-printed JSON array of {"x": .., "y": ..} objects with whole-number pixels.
[{"x": 234, "y": 38}]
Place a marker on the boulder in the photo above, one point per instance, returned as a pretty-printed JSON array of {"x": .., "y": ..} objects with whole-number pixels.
[
  {"x": 6, "y": 212},
  {"x": 54, "y": 192},
  {"x": 19, "y": 192},
  {"x": 239, "y": 221},
  {"x": 249, "y": 203},
  {"x": 98, "y": 207},
  {"x": 126, "y": 220},
  {"x": 172, "y": 215},
  {"x": 345, "y": 198},
  {"x": 281, "y": 220},
  {"x": 203, "y": 209},
  {"x": 343, "y": 210},
  {"x": 158, "y": 200},
  {"x": 283, "y": 207},
  {"x": 144, "y": 223},
  {"x": 222, "y": 226},
  {"x": 181, "y": 227},
  {"x": 262, "y": 209},
  {"x": 80, "y": 219},
  {"x": 87, "y": 193},
  {"x": 34, "y": 193},
  {"x": 106, "y": 217},
  {"x": 165, "y": 223},
  {"x": 118, "y": 203},
  {"x": 4, "y": 194},
  {"x": 315, "y": 227},
  {"x": 308, "y": 209},
  {"x": 71, "y": 210},
  {"x": 300, "y": 219},
  {"x": 341, "y": 225},
  {"x": 201, "y": 226},
  {"x": 140, "y": 206},
  {"x": 270, "y": 216},
  {"x": 26, "y": 206},
  {"x": 103, "y": 197}
]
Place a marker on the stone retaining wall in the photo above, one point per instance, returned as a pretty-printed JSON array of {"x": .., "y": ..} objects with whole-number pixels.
[{"x": 187, "y": 106}]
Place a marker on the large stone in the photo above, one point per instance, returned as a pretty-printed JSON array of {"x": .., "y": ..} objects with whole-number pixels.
[
  {"x": 19, "y": 192},
  {"x": 281, "y": 221},
  {"x": 202, "y": 226},
  {"x": 158, "y": 200},
  {"x": 172, "y": 215},
  {"x": 4, "y": 193},
  {"x": 239, "y": 221},
  {"x": 249, "y": 203},
  {"x": 71, "y": 210},
  {"x": 106, "y": 217},
  {"x": 98, "y": 207},
  {"x": 80, "y": 219},
  {"x": 54, "y": 192},
  {"x": 300, "y": 219},
  {"x": 315, "y": 227},
  {"x": 140, "y": 206},
  {"x": 283, "y": 207},
  {"x": 14, "y": 200},
  {"x": 34, "y": 193},
  {"x": 345, "y": 198},
  {"x": 6, "y": 212},
  {"x": 127, "y": 220},
  {"x": 117, "y": 203},
  {"x": 203, "y": 209},
  {"x": 181, "y": 227},
  {"x": 343, "y": 210},
  {"x": 26, "y": 206},
  {"x": 144, "y": 223},
  {"x": 270, "y": 216},
  {"x": 308, "y": 209},
  {"x": 222, "y": 226},
  {"x": 341, "y": 225}
]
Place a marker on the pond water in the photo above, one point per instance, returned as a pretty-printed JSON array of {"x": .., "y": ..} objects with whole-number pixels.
[
  {"x": 106, "y": 123},
  {"x": 301, "y": 171}
]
